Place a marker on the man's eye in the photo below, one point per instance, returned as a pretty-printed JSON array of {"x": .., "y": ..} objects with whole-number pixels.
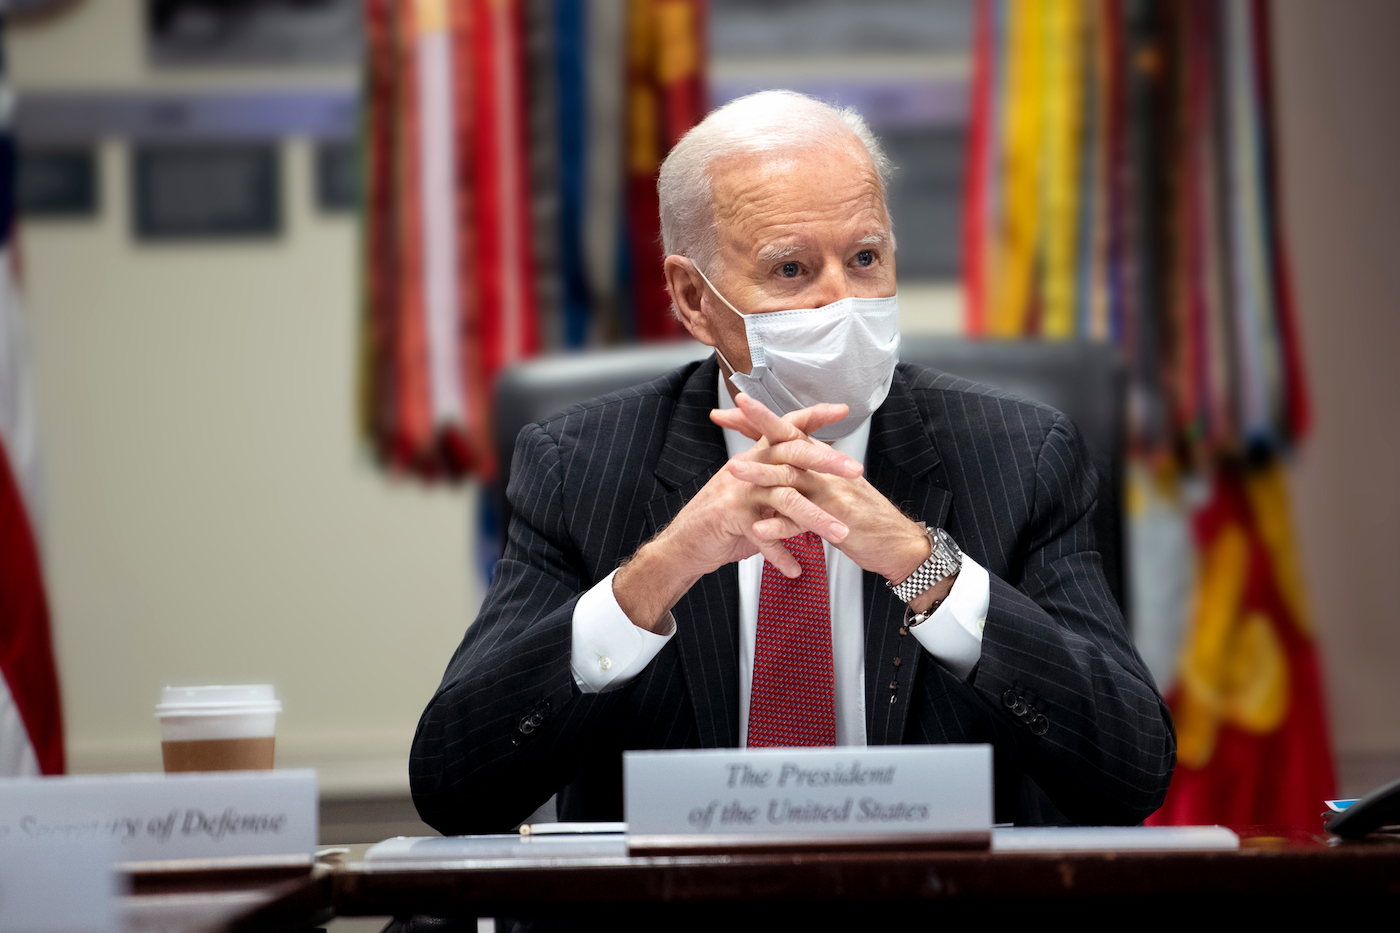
[
  {"x": 865, "y": 257},
  {"x": 790, "y": 270}
]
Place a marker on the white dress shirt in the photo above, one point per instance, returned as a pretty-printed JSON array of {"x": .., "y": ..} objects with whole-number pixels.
[{"x": 609, "y": 651}]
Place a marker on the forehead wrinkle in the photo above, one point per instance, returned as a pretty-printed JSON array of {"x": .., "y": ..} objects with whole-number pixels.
[
  {"x": 769, "y": 239},
  {"x": 746, "y": 187},
  {"x": 777, "y": 234},
  {"x": 757, "y": 197},
  {"x": 767, "y": 208}
]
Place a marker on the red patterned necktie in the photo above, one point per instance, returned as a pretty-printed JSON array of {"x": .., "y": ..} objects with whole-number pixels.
[{"x": 794, "y": 686}]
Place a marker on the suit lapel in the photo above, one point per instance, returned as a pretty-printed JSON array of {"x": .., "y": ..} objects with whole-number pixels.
[
  {"x": 707, "y": 617},
  {"x": 902, "y": 463}
]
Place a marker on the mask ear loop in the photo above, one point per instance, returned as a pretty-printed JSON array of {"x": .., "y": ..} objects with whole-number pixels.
[
  {"x": 720, "y": 353},
  {"x": 696, "y": 266}
]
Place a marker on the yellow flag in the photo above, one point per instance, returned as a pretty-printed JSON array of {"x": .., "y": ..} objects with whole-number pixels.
[
  {"x": 1063, "y": 127},
  {"x": 1019, "y": 233}
]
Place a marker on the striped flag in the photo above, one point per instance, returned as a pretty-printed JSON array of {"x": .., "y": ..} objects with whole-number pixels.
[
  {"x": 449, "y": 291},
  {"x": 665, "y": 98},
  {"x": 31, "y": 720},
  {"x": 1123, "y": 186},
  {"x": 511, "y": 157}
]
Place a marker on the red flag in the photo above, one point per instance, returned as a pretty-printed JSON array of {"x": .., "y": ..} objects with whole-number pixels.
[
  {"x": 379, "y": 168},
  {"x": 977, "y": 189},
  {"x": 1299, "y": 406},
  {"x": 495, "y": 241},
  {"x": 26, "y": 652},
  {"x": 1252, "y": 742},
  {"x": 409, "y": 436},
  {"x": 450, "y": 296},
  {"x": 31, "y": 717},
  {"x": 665, "y": 98}
]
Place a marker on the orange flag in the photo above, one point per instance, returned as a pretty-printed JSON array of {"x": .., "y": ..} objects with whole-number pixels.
[{"x": 665, "y": 98}]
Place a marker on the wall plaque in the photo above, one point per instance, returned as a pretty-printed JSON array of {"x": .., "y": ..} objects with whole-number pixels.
[
  {"x": 57, "y": 181},
  {"x": 200, "y": 33},
  {"x": 206, "y": 191},
  {"x": 337, "y": 175}
]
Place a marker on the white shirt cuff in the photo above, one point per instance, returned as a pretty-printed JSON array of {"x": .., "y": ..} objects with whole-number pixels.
[
  {"x": 953, "y": 634},
  {"x": 608, "y": 650}
]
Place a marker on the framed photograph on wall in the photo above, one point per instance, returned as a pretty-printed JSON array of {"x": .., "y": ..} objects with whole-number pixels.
[
  {"x": 203, "y": 191},
  {"x": 193, "y": 33}
]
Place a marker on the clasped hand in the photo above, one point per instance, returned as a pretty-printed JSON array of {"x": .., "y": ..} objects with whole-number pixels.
[
  {"x": 788, "y": 483},
  {"x": 873, "y": 533}
]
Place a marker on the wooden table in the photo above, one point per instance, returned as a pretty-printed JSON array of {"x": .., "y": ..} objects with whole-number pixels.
[
  {"x": 1278, "y": 872},
  {"x": 190, "y": 898}
]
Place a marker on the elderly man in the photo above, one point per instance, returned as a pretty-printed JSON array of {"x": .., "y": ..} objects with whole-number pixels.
[{"x": 798, "y": 541}]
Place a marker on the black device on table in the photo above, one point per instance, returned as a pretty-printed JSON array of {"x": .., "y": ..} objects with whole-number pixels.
[{"x": 1381, "y": 807}]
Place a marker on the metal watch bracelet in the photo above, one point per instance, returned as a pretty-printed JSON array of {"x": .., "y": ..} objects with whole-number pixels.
[{"x": 944, "y": 561}]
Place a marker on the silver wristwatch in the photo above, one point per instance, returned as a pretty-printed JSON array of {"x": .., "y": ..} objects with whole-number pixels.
[{"x": 944, "y": 561}]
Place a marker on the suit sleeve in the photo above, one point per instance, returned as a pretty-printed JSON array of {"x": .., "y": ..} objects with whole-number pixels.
[
  {"x": 1085, "y": 720},
  {"x": 508, "y": 726}
]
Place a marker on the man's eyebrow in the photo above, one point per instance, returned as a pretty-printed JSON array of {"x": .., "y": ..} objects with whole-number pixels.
[{"x": 774, "y": 253}]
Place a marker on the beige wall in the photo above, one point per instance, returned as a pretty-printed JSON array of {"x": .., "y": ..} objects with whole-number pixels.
[
  {"x": 1338, "y": 77},
  {"x": 210, "y": 516}
]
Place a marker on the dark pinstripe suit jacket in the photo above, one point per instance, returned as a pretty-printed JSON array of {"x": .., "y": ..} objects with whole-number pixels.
[{"x": 1006, "y": 477}]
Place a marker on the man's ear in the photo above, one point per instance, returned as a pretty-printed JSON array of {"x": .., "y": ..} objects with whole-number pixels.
[{"x": 686, "y": 289}]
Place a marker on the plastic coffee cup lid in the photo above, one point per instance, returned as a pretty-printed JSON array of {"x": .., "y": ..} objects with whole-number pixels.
[{"x": 218, "y": 700}]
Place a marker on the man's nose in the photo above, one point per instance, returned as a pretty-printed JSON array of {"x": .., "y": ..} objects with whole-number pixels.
[{"x": 831, "y": 285}]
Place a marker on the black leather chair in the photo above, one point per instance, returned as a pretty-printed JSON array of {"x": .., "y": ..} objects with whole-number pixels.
[{"x": 1085, "y": 381}]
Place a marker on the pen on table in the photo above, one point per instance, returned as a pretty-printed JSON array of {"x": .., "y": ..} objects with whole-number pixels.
[{"x": 570, "y": 829}]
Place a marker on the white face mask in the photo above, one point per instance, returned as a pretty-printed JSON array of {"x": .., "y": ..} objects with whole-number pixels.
[{"x": 842, "y": 352}]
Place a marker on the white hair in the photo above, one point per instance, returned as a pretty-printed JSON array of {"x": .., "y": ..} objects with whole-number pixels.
[{"x": 769, "y": 121}]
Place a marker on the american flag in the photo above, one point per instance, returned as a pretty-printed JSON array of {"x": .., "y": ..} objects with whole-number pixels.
[{"x": 31, "y": 720}]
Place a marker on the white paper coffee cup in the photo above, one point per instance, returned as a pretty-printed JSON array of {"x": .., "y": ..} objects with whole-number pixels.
[{"x": 218, "y": 728}]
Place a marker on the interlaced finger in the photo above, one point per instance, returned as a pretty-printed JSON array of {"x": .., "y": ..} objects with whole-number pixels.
[
  {"x": 774, "y": 428},
  {"x": 774, "y": 528},
  {"x": 805, "y": 420},
  {"x": 809, "y": 455},
  {"x": 778, "y": 556},
  {"x": 768, "y": 474},
  {"x": 735, "y": 420},
  {"x": 808, "y": 420},
  {"x": 806, "y": 514}
]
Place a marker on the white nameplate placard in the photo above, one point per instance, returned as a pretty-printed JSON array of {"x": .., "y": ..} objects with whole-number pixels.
[
  {"x": 157, "y": 817},
  {"x": 811, "y": 793},
  {"x": 59, "y": 886}
]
